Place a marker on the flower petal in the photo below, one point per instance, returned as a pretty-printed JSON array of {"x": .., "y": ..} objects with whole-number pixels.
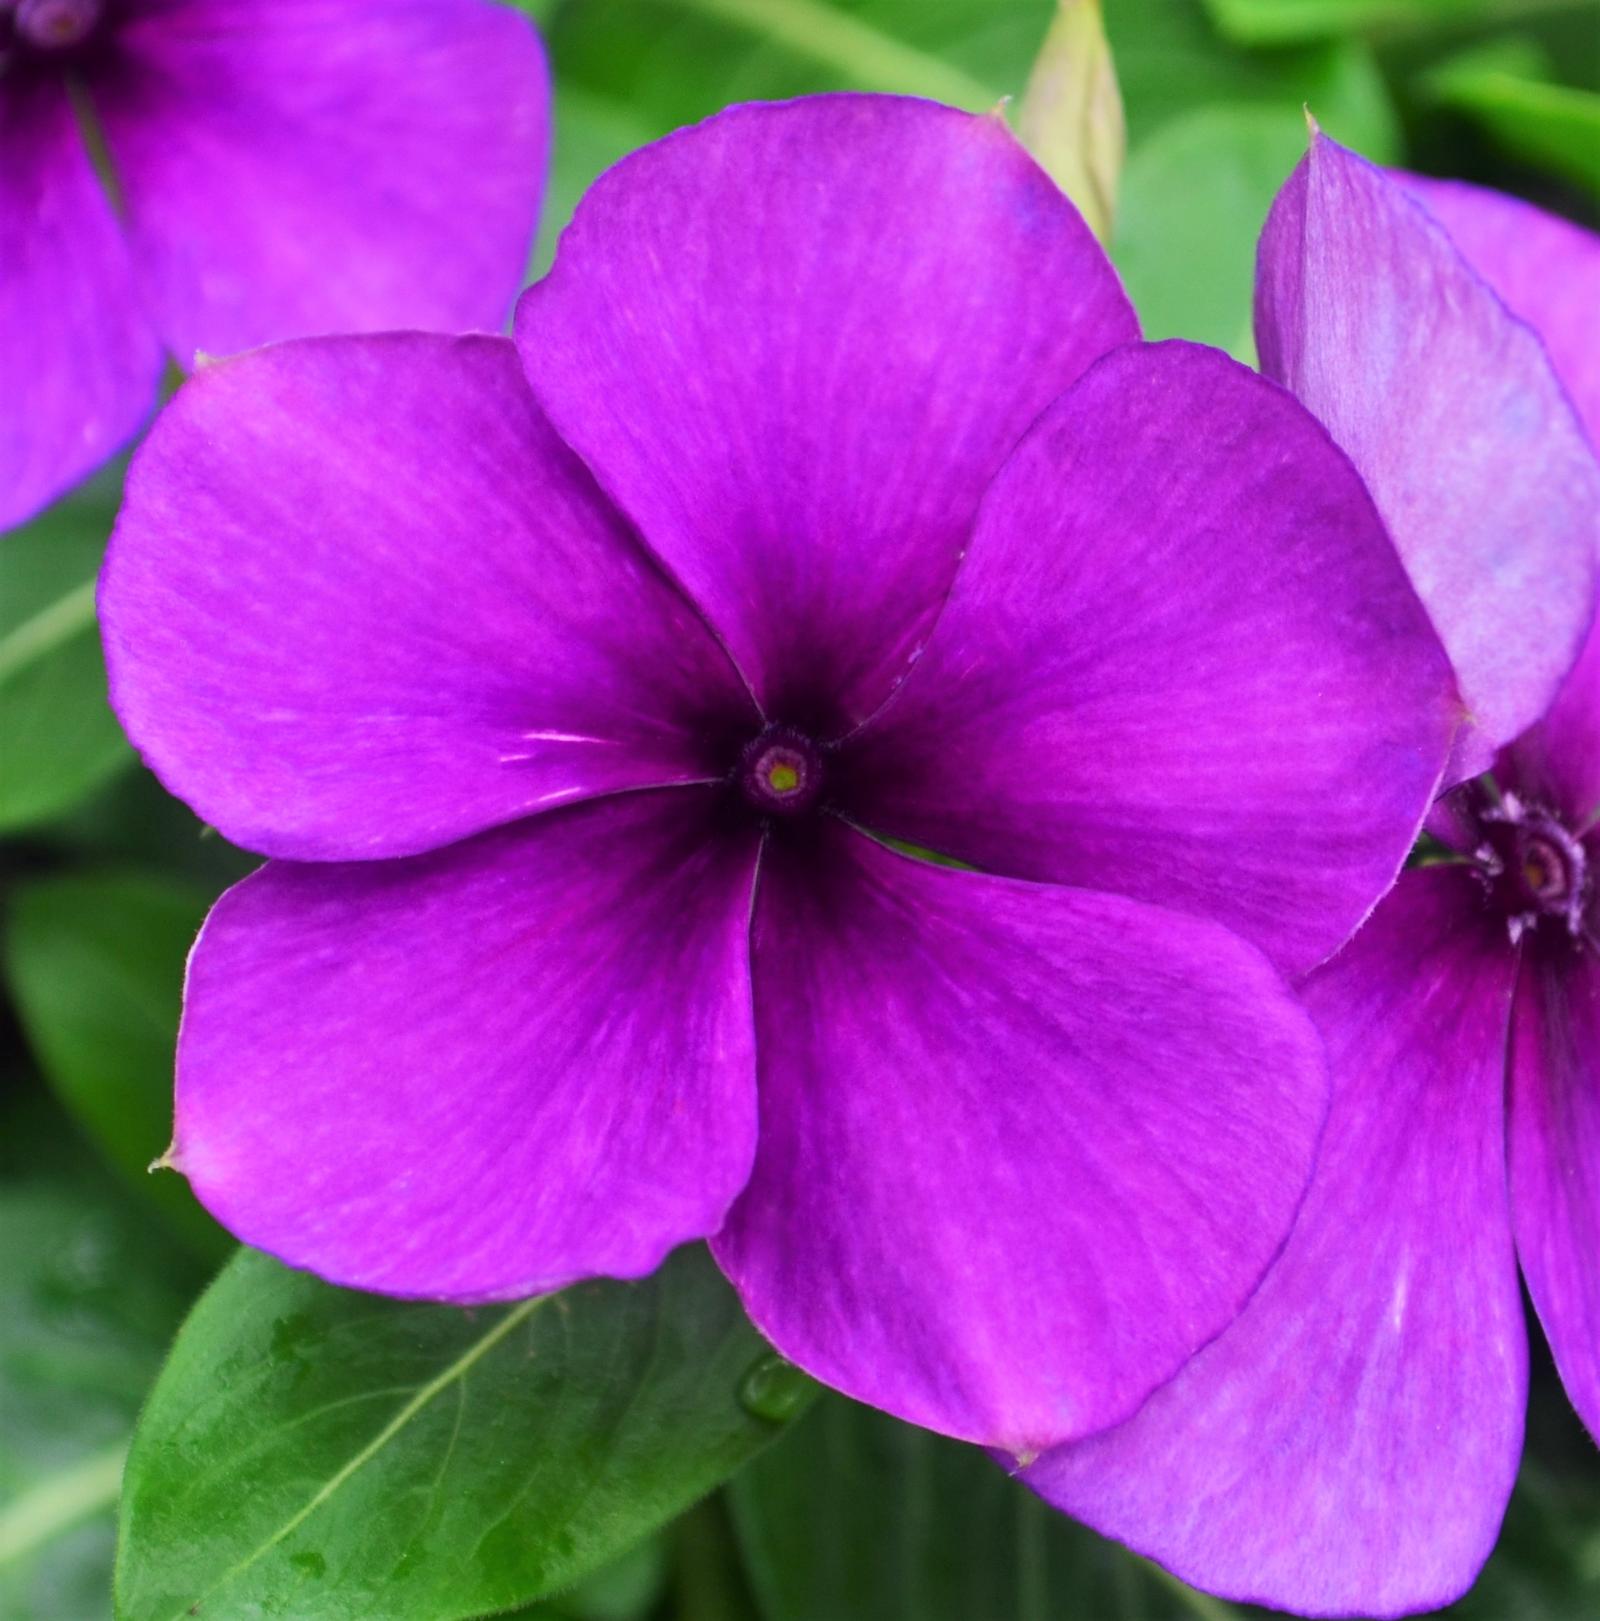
[
  {"x": 293, "y": 167},
  {"x": 81, "y": 362},
  {"x": 1180, "y": 662},
  {"x": 1555, "y": 1157},
  {"x": 1023, "y": 1148},
  {"x": 1348, "y": 1445},
  {"x": 794, "y": 344},
  {"x": 361, "y": 601},
  {"x": 1557, "y": 762},
  {"x": 484, "y": 1072},
  {"x": 1452, "y": 412},
  {"x": 1545, "y": 269}
]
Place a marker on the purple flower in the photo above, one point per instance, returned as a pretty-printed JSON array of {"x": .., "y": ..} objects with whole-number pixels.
[
  {"x": 276, "y": 167},
  {"x": 1348, "y": 1446},
  {"x": 581, "y": 720}
]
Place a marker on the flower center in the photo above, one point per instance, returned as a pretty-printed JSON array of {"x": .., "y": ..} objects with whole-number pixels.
[
  {"x": 781, "y": 772},
  {"x": 1534, "y": 867},
  {"x": 52, "y": 25}
]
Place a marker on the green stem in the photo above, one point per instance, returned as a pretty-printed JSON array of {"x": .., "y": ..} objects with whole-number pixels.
[
  {"x": 858, "y": 52},
  {"x": 59, "y": 622},
  {"x": 57, "y": 1504}
]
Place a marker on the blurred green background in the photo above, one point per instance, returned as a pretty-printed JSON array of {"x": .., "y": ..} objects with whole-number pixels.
[{"x": 850, "y": 1517}]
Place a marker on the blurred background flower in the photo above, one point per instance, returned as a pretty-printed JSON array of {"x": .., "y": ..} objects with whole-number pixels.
[{"x": 192, "y": 177}]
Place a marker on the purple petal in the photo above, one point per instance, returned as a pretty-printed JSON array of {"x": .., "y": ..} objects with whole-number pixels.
[
  {"x": 1545, "y": 269},
  {"x": 301, "y": 166},
  {"x": 361, "y": 601},
  {"x": 795, "y": 343},
  {"x": 81, "y": 363},
  {"x": 1450, "y": 409},
  {"x": 1180, "y": 662},
  {"x": 1348, "y": 1445},
  {"x": 1555, "y": 1156},
  {"x": 1557, "y": 762},
  {"x": 1023, "y": 1148},
  {"x": 484, "y": 1072}
]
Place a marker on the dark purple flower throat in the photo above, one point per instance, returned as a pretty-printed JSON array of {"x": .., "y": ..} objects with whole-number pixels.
[
  {"x": 781, "y": 772},
  {"x": 1535, "y": 869}
]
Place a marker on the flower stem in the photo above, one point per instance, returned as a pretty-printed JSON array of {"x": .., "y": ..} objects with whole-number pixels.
[
  {"x": 60, "y": 1502},
  {"x": 58, "y": 622}
]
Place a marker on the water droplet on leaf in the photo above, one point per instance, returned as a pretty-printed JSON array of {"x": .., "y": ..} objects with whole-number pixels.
[{"x": 774, "y": 1389}]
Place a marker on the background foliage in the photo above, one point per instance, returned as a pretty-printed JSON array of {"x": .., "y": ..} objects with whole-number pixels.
[{"x": 309, "y": 1453}]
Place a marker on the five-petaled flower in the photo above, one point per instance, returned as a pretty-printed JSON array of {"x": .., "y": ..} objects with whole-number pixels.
[
  {"x": 583, "y": 703},
  {"x": 1349, "y": 1445},
  {"x": 268, "y": 168}
]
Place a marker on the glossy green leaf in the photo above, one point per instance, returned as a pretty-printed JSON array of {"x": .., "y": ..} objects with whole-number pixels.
[
  {"x": 95, "y": 965},
  {"x": 628, "y": 1589},
  {"x": 314, "y": 1453},
  {"x": 1505, "y": 87},
  {"x": 88, "y": 1301},
  {"x": 61, "y": 740},
  {"x": 856, "y": 1517}
]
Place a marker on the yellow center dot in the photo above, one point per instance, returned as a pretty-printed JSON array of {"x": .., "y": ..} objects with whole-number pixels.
[{"x": 783, "y": 779}]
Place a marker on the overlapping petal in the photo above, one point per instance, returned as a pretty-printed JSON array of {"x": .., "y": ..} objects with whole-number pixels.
[
  {"x": 1348, "y": 1445},
  {"x": 1545, "y": 269},
  {"x": 1557, "y": 762},
  {"x": 1555, "y": 1155},
  {"x": 1451, "y": 410},
  {"x": 483, "y": 1072},
  {"x": 361, "y": 601},
  {"x": 1181, "y": 662},
  {"x": 1022, "y": 1148},
  {"x": 292, "y": 167},
  {"x": 795, "y": 343},
  {"x": 80, "y": 363}
]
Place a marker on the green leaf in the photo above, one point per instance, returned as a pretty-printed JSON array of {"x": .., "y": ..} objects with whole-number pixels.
[
  {"x": 95, "y": 964},
  {"x": 1505, "y": 88},
  {"x": 1194, "y": 200},
  {"x": 61, "y": 739},
  {"x": 321, "y": 1454},
  {"x": 1071, "y": 113},
  {"x": 539, "y": 10},
  {"x": 625, "y": 1590},
  {"x": 87, "y": 1305},
  {"x": 1286, "y": 22},
  {"x": 1170, "y": 63},
  {"x": 857, "y": 1517},
  {"x": 1196, "y": 193}
]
